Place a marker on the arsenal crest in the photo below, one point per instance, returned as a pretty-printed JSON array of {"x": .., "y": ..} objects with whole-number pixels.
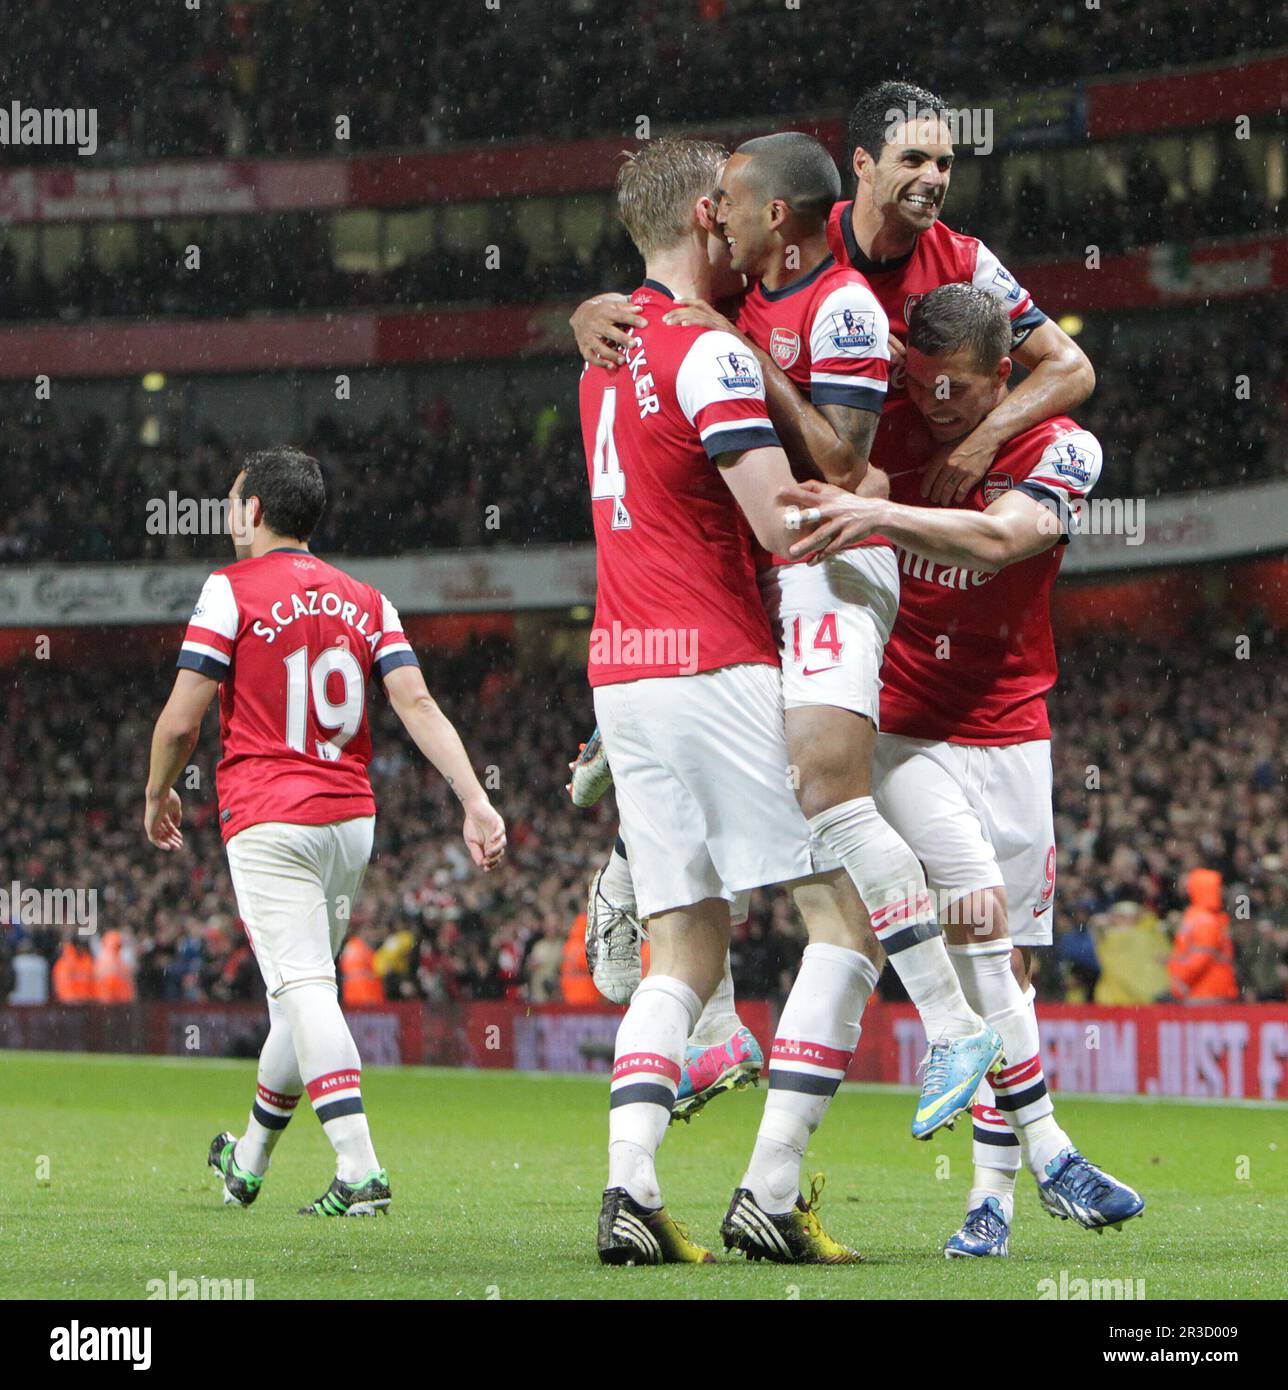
[
  {"x": 995, "y": 485},
  {"x": 784, "y": 347},
  {"x": 908, "y": 305}
]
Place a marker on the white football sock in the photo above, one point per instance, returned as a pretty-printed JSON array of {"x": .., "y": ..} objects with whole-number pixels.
[
  {"x": 817, "y": 1034},
  {"x": 616, "y": 884},
  {"x": 993, "y": 1182},
  {"x": 1019, "y": 1089},
  {"x": 995, "y": 1149},
  {"x": 890, "y": 881},
  {"x": 646, "y": 1073},
  {"x": 277, "y": 1090},
  {"x": 719, "y": 1020},
  {"x": 332, "y": 1071}
]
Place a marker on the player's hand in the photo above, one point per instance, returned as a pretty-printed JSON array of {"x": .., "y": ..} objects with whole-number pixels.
[
  {"x": 839, "y": 518},
  {"x": 897, "y": 351},
  {"x": 697, "y": 313},
  {"x": 484, "y": 835},
  {"x": 161, "y": 817},
  {"x": 603, "y": 327},
  {"x": 953, "y": 469}
]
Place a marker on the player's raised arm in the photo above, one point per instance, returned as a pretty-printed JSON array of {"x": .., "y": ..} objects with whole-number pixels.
[
  {"x": 173, "y": 739},
  {"x": 436, "y": 737}
]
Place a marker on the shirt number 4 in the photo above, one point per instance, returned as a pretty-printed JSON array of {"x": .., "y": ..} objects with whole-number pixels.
[{"x": 609, "y": 480}]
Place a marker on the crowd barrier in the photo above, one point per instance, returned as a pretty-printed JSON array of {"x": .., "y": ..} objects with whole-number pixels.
[{"x": 1234, "y": 1052}]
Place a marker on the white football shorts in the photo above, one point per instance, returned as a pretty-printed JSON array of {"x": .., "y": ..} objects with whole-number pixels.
[
  {"x": 296, "y": 886},
  {"x": 703, "y": 789},
  {"x": 977, "y": 817},
  {"x": 832, "y": 622}
]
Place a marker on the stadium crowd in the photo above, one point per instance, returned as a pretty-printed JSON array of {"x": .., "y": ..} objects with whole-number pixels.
[
  {"x": 234, "y": 77},
  {"x": 1166, "y": 761},
  {"x": 284, "y": 263},
  {"x": 1168, "y": 414},
  {"x": 394, "y": 487}
]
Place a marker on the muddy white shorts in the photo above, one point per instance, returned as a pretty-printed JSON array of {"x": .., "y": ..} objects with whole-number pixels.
[
  {"x": 703, "y": 789},
  {"x": 977, "y": 817},
  {"x": 832, "y": 622},
  {"x": 296, "y": 886}
]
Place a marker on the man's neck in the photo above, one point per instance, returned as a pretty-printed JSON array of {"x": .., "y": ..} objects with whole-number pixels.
[
  {"x": 265, "y": 542},
  {"x": 879, "y": 238},
  {"x": 810, "y": 252},
  {"x": 683, "y": 271}
]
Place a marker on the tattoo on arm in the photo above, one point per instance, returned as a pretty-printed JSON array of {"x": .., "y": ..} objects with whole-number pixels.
[{"x": 856, "y": 427}]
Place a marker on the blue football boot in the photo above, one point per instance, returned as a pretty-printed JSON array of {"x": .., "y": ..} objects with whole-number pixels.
[
  {"x": 953, "y": 1071},
  {"x": 984, "y": 1232},
  {"x": 1075, "y": 1187}
]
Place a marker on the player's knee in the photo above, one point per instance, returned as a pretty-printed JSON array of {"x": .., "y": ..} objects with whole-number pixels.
[{"x": 822, "y": 788}]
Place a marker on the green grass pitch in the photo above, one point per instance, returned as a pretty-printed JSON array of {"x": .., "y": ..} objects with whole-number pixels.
[{"x": 496, "y": 1180}]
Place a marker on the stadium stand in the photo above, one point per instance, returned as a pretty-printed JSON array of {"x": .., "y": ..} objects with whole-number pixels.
[
  {"x": 250, "y": 77},
  {"x": 1180, "y": 787},
  {"x": 1165, "y": 410}
]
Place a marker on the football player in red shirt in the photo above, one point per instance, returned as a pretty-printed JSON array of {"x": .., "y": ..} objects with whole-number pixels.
[
  {"x": 683, "y": 466},
  {"x": 821, "y": 337},
  {"x": 290, "y": 643},
  {"x": 891, "y": 232},
  {"x": 963, "y": 763}
]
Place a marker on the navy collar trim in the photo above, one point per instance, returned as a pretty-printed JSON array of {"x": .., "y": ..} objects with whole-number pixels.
[
  {"x": 804, "y": 282},
  {"x": 288, "y": 550},
  {"x": 659, "y": 287},
  {"x": 857, "y": 259}
]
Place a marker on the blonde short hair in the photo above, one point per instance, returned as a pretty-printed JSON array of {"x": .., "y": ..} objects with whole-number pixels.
[{"x": 658, "y": 184}]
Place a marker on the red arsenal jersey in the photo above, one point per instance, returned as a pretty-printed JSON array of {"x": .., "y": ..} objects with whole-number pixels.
[
  {"x": 939, "y": 257},
  {"x": 971, "y": 656},
  {"x": 677, "y": 590},
  {"x": 293, "y": 641},
  {"x": 829, "y": 335}
]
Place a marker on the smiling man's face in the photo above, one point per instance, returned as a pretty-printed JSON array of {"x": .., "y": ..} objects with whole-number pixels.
[
  {"x": 745, "y": 217},
  {"x": 910, "y": 180}
]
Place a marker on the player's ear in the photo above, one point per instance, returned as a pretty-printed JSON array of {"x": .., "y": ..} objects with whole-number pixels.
[
  {"x": 706, "y": 214},
  {"x": 1004, "y": 368}
]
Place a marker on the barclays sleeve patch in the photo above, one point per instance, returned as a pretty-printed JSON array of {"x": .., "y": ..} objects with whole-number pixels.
[
  {"x": 739, "y": 372},
  {"x": 853, "y": 331}
]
